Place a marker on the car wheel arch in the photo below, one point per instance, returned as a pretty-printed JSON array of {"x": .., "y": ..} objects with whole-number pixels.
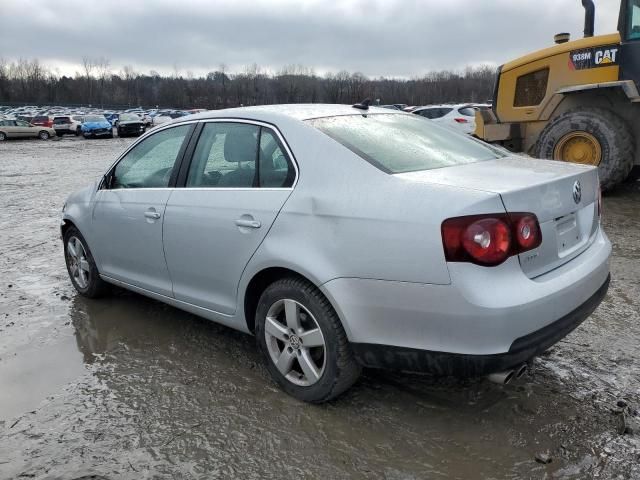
[{"x": 260, "y": 281}]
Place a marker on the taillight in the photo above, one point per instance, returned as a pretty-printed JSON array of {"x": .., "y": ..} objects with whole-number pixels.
[
  {"x": 461, "y": 120},
  {"x": 489, "y": 239}
]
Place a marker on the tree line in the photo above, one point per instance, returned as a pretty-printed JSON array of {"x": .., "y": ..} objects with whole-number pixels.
[{"x": 28, "y": 81}]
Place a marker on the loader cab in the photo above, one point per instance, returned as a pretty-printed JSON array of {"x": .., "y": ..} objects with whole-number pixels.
[{"x": 629, "y": 28}]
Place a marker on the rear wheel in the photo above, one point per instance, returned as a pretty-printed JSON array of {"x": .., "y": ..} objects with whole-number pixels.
[
  {"x": 3, "y": 136},
  {"x": 590, "y": 136},
  {"x": 81, "y": 266},
  {"x": 43, "y": 135},
  {"x": 302, "y": 339},
  {"x": 78, "y": 131}
]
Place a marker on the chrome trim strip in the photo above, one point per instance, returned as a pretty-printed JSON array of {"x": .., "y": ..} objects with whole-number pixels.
[{"x": 212, "y": 120}]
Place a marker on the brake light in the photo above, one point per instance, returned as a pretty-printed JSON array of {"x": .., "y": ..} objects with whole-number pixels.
[
  {"x": 461, "y": 120},
  {"x": 489, "y": 239}
]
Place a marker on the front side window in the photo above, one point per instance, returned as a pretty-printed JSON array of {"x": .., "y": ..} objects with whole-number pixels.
[
  {"x": 397, "y": 143},
  {"x": 226, "y": 155},
  {"x": 150, "y": 163}
]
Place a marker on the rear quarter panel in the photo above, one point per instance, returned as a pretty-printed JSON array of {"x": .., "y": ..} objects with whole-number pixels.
[{"x": 346, "y": 218}]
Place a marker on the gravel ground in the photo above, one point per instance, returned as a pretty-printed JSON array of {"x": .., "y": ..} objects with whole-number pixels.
[{"x": 126, "y": 387}]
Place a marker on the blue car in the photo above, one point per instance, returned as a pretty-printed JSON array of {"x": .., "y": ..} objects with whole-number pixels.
[{"x": 96, "y": 126}]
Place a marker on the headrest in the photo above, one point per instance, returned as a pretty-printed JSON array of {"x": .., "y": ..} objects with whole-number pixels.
[{"x": 240, "y": 145}]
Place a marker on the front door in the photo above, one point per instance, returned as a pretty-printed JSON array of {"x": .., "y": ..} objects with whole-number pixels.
[
  {"x": 239, "y": 178},
  {"x": 129, "y": 212}
]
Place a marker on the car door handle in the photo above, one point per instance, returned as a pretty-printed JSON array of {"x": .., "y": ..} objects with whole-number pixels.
[
  {"x": 249, "y": 223},
  {"x": 153, "y": 215}
]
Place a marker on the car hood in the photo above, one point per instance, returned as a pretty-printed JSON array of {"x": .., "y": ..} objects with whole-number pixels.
[{"x": 104, "y": 124}]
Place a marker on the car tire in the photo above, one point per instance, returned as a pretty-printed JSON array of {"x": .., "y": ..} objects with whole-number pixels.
[
  {"x": 120, "y": 133},
  {"x": 295, "y": 310},
  {"x": 3, "y": 136},
  {"x": 81, "y": 266},
  {"x": 78, "y": 131},
  {"x": 611, "y": 133},
  {"x": 44, "y": 135}
]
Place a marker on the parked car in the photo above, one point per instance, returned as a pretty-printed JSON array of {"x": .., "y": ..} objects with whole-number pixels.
[
  {"x": 342, "y": 240},
  {"x": 130, "y": 124},
  {"x": 96, "y": 126},
  {"x": 461, "y": 117},
  {"x": 22, "y": 129},
  {"x": 42, "y": 121},
  {"x": 66, "y": 125},
  {"x": 113, "y": 118}
]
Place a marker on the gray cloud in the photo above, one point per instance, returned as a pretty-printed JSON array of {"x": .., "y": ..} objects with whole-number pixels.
[{"x": 376, "y": 37}]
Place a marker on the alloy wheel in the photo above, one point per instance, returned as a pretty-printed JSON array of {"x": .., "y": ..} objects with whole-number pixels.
[
  {"x": 78, "y": 262},
  {"x": 295, "y": 342}
]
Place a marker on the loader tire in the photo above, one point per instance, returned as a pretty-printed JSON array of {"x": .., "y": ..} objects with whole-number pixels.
[{"x": 606, "y": 138}]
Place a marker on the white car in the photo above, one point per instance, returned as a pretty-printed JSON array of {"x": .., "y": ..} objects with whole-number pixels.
[
  {"x": 462, "y": 117},
  {"x": 66, "y": 124}
]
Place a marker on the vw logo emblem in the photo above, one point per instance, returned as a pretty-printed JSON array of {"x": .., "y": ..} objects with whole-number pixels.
[{"x": 577, "y": 192}]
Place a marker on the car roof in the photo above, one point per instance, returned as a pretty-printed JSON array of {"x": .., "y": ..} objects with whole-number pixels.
[{"x": 299, "y": 111}]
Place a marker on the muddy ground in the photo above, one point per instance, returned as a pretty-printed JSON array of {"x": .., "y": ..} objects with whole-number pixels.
[{"x": 126, "y": 387}]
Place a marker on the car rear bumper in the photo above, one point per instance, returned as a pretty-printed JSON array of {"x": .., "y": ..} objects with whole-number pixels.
[
  {"x": 443, "y": 363},
  {"x": 481, "y": 317}
]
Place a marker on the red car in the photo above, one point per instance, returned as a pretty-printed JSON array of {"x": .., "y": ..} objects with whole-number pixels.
[{"x": 42, "y": 121}]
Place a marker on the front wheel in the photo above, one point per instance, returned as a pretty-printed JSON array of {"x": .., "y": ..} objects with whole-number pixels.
[
  {"x": 81, "y": 266},
  {"x": 303, "y": 342}
]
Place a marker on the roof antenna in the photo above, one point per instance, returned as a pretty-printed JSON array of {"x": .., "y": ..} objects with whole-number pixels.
[{"x": 363, "y": 105}]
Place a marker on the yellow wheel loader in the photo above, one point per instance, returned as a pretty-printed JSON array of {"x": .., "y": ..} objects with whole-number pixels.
[{"x": 576, "y": 101}]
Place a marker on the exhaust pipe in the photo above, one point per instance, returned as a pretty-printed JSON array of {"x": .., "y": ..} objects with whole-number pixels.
[
  {"x": 504, "y": 378},
  {"x": 589, "y": 17}
]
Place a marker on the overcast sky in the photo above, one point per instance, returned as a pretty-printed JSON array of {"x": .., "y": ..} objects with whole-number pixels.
[{"x": 401, "y": 38}]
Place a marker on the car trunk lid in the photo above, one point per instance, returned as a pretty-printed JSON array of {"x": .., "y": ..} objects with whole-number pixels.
[{"x": 562, "y": 195}]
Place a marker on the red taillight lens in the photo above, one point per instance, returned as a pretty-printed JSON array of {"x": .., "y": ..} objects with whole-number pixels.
[
  {"x": 489, "y": 239},
  {"x": 527, "y": 232},
  {"x": 461, "y": 120}
]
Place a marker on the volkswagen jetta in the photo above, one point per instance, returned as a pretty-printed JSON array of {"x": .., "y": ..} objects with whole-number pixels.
[{"x": 345, "y": 237}]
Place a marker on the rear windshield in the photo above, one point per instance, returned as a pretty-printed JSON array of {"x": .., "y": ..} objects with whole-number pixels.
[
  {"x": 397, "y": 143},
  {"x": 40, "y": 119},
  {"x": 61, "y": 120}
]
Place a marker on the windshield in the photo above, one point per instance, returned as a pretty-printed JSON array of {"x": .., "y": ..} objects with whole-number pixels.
[
  {"x": 129, "y": 117},
  {"x": 397, "y": 143},
  {"x": 94, "y": 118}
]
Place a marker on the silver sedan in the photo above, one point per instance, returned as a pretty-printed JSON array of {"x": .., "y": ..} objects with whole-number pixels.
[{"x": 345, "y": 237}]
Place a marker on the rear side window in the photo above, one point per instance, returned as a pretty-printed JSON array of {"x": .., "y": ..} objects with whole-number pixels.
[
  {"x": 531, "y": 88},
  {"x": 467, "y": 111},
  {"x": 397, "y": 143},
  {"x": 226, "y": 155}
]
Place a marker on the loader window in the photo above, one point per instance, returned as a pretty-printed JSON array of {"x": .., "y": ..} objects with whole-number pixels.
[
  {"x": 634, "y": 20},
  {"x": 531, "y": 88}
]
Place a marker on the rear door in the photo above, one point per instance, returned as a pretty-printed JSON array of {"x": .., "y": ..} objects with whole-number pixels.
[
  {"x": 129, "y": 211},
  {"x": 239, "y": 177}
]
